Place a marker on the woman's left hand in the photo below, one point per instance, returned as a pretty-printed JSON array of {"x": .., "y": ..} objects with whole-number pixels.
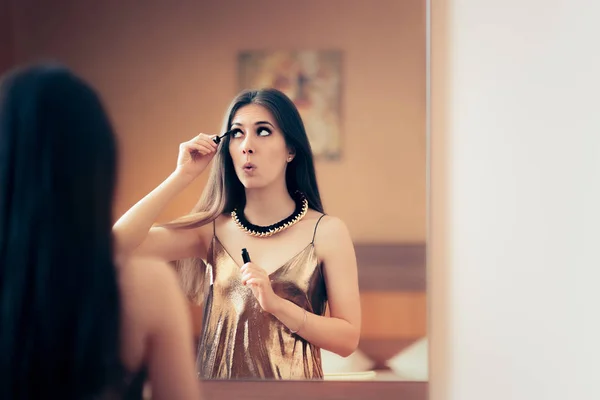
[{"x": 259, "y": 282}]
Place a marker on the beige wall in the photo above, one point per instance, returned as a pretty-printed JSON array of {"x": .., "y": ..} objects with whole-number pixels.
[{"x": 168, "y": 70}]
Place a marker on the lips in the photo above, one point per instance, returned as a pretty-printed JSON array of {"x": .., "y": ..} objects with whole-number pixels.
[{"x": 249, "y": 167}]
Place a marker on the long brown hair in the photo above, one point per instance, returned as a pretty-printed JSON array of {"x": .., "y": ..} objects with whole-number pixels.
[{"x": 224, "y": 191}]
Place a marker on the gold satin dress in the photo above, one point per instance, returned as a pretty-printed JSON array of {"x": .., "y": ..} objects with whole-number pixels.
[{"x": 241, "y": 341}]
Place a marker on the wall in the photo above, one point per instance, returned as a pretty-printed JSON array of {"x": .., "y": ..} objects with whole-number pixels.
[
  {"x": 7, "y": 56},
  {"x": 515, "y": 193},
  {"x": 168, "y": 71}
]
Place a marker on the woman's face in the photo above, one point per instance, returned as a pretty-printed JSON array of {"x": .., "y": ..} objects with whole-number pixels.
[{"x": 257, "y": 147}]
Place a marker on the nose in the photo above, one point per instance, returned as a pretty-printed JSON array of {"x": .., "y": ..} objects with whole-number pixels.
[{"x": 247, "y": 146}]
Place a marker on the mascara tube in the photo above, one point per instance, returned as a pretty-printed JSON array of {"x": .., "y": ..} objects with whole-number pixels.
[{"x": 245, "y": 256}]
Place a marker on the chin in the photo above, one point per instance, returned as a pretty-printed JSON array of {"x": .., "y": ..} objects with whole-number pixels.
[
  {"x": 255, "y": 181},
  {"x": 252, "y": 183}
]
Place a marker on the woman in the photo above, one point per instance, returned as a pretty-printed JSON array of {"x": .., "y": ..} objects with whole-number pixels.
[
  {"x": 74, "y": 323},
  {"x": 263, "y": 318}
]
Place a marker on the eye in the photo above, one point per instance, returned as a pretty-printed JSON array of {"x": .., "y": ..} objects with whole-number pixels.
[
  {"x": 263, "y": 131},
  {"x": 237, "y": 133}
]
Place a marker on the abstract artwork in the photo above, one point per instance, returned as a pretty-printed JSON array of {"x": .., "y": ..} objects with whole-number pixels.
[{"x": 312, "y": 79}]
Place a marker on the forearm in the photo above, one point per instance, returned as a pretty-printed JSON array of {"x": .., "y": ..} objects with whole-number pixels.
[
  {"x": 131, "y": 229},
  {"x": 329, "y": 333}
]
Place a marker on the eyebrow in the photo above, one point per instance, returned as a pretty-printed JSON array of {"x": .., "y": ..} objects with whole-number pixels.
[{"x": 256, "y": 123}]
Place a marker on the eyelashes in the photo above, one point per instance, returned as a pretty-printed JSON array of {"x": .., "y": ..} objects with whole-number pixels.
[
  {"x": 263, "y": 129},
  {"x": 260, "y": 131},
  {"x": 236, "y": 132}
]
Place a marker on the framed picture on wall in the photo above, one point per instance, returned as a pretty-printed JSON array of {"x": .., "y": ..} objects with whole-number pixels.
[{"x": 312, "y": 79}]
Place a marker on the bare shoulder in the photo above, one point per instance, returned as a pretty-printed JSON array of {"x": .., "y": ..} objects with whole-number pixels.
[
  {"x": 222, "y": 220},
  {"x": 207, "y": 232},
  {"x": 156, "y": 329},
  {"x": 144, "y": 283},
  {"x": 330, "y": 226},
  {"x": 146, "y": 272},
  {"x": 332, "y": 238}
]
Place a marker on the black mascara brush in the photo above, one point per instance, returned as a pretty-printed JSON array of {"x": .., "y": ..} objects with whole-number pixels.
[{"x": 217, "y": 139}]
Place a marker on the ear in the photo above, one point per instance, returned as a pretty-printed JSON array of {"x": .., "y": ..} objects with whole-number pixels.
[{"x": 291, "y": 155}]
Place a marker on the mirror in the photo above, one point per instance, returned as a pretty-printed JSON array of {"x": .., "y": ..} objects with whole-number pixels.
[{"x": 357, "y": 72}]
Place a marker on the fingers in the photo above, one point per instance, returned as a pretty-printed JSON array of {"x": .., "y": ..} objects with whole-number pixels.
[
  {"x": 206, "y": 140},
  {"x": 250, "y": 279},
  {"x": 200, "y": 144},
  {"x": 246, "y": 278},
  {"x": 255, "y": 282},
  {"x": 251, "y": 267},
  {"x": 193, "y": 148},
  {"x": 253, "y": 273}
]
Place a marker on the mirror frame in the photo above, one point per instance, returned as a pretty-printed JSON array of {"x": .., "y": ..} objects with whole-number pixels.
[{"x": 302, "y": 390}]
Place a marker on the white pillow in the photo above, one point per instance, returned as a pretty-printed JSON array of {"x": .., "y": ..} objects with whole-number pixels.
[
  {"x": 355, "y": 362},
  {"x": 412, "y": 363}
]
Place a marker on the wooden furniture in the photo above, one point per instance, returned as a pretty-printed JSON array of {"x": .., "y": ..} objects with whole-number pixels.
[{"x": 303, "y": 390}]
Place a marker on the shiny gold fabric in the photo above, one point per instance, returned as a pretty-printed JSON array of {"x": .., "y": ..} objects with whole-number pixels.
[{"x": 239, "y": 340}]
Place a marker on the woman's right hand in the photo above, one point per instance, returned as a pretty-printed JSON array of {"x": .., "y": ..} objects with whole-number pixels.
[{"x": 195, "y": 154}]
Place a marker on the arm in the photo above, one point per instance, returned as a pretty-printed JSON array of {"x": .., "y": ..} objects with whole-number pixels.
[
  {"x": 340, "y": 332},
  {"x": 170, "y": 351},
  {"x": 133, "y": 232}
]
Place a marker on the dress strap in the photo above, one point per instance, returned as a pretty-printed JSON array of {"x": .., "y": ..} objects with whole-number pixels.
[{"x": 315, "y": 232}]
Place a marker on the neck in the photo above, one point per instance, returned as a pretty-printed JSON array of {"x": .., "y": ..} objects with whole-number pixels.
[{"x": 267, "y": 206}]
